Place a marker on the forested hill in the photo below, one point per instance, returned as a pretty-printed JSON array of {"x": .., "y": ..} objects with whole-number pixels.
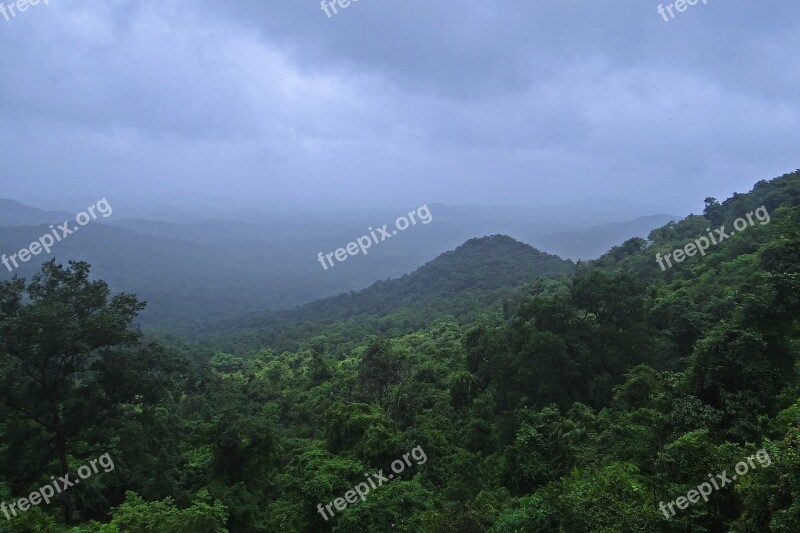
[
  {"x": 474, "y": 278},
  {"x": 637, "y": 256},
  {"x": 596, "y": 408}
]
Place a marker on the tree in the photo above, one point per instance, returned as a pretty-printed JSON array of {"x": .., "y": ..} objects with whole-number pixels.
[
  {"x": 713, "y": 211},
  {"x": 138, "y": 515},
  {"x": 52, "y": 333},
  {"x": 379, "y": 368},
  {"x": 463, "y": 388}
]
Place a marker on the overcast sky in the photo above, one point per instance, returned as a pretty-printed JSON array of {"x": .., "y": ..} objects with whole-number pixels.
[{"x": 396, "y": 102}]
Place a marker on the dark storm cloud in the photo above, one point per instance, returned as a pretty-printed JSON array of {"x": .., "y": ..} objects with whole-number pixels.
[{"x": 394, "y": 102}]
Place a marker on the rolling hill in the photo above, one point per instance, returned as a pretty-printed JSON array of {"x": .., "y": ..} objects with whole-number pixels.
[{"x": 473, "y": 279}]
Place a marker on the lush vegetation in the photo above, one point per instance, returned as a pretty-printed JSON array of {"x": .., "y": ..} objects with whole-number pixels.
[{"x": 580, "y": 407}]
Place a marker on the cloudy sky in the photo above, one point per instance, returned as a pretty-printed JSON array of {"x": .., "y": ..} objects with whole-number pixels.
[{"x": 396, "y": 102}]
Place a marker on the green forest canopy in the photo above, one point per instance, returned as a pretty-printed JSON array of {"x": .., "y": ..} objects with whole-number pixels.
[{"x": 607, "y": 388}]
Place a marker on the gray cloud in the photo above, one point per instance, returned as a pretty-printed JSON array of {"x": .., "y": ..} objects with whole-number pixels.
[{"x": 395, "y": 102}]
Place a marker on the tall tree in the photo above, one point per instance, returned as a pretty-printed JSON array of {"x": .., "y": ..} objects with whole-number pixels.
[{"x": 52, "y": 333}]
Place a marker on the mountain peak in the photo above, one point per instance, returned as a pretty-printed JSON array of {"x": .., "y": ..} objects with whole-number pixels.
[{"x": 474, "y": 277}]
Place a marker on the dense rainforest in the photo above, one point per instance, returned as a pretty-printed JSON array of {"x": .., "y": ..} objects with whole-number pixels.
[{"x": 517, "y": 392}]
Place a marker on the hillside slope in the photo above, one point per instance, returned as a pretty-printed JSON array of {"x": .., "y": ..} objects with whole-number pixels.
[
  {"x": 589, "y": 410},
  {"x": 467, "y": 281}
]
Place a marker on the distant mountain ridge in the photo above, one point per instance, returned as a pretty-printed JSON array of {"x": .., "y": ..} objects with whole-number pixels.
[
  {"x": 594, "y": 241},
  {"x": 193, "y": 274},
  {"x": 13, "y": 213}
]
